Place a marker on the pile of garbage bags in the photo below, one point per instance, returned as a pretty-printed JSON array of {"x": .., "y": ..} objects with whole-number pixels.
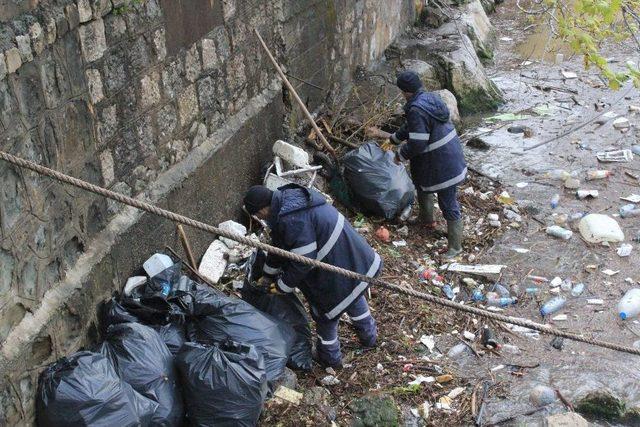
[{"x": 176, "y": 352}]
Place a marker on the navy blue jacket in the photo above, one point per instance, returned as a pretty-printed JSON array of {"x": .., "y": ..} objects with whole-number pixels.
[
  {"x": 433, "y": 146},
  {"x": 304, "y": 223}
]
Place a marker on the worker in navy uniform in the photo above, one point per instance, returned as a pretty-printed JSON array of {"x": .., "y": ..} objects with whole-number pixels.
[
  {"x": 302, "y": 222},
  {"x": 435, "y": 154}
]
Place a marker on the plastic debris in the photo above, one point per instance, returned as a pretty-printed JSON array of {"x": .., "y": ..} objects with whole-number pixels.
[
  {"x": 569, "y": 75},
  {"x": 555, "y": 200},
  {"x": 634, "y": 198},
  {"x": 629, "y": 305},
  {"x": 429, "y": 342},
  {"x": 400, "y": 243},
  {"x": 470, "y": 336},
  {"x": 456, "y": 392},
  {"x": 557, "y": 281},
  {"x": 552, "y": 306},
  {"x": 457, "y": 350},
  {"x": 422, "y": 379},
  {"x": 560, "y": 232},
  {"x": 329, "y": 380},
  {"x": 610, "y": 272},
  {"x": 214, "y": 261},
  {"x": 482, "y": 270},
  {"x": 597, "y": 228},
  {"x": 625, "y": 250},
  {"x": 559, "y": 318},
  {"x": 621, "y": 123},
  {"x": 383, "y": 234},
  {"x": 598, "y": 174},
  {"x": 583, "y": 194},
  {"x": 293, "y": 155},
  {"x": 628, "y": 211},
  {"x": 595, "y": 301},
  {"x": 617, "y": 156},
  {"x": 133, "y": 283},
  {"x": 443, "y": 379},
  {"x": 286, "y": 394},
  {"x": 488, "y": 339},
  {"x": 577, "y": 289}
]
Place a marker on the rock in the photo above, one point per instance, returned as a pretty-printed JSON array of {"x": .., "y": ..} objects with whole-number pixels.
[
  {"x": 93, "y": 40},
  {"x": 601, "y": 405},
  {"x": 232, "y": 227},
  {"x": 289, "y": 379},
  {"x": 370, "y": 411},
  {"x": 316, "y": 396},
  {"x": 465, "y": 76},
  {"x": 632, "y": 417},
  {"x": 13, "y": 60},
  {"x": 475, "y": 24},
  {"x": 214, "y": 261},
  {"x": 570, "y": 419},
  {"x": 451, "y": 103},
  {"x": 542, "y": 395},
  {"x": 426, "y": 72}
]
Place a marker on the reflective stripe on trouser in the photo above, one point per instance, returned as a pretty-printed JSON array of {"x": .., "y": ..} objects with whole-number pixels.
[{"x": 328, "y": 344}]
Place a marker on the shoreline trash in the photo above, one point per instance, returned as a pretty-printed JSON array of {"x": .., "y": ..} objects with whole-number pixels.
[
  {"x": 552, "y": 306},
  {"x": 555, "y": 200},
  {"x": 625, "y": 250},
  {"x": 583, "y": 194},
  {"x": 481, "y": 269},
  {"x": 577, "y": 289},
  {"x": 618, "y": 156},
  {"x": 560, "y": 232},
  {"x": 628, "y": 211},
  {"x": 598, "y": 174},
  {"x": 598, "y": 228},
  {"x": 629, "y": 305}
]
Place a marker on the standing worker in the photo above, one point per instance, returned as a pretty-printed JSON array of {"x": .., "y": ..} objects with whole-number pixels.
[
  {"x": 302, "y": 222},
  {"x": 435, "y": 154}
]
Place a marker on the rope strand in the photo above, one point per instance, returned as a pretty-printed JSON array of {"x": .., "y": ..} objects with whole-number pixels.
[{"x": 181, "y": 219}]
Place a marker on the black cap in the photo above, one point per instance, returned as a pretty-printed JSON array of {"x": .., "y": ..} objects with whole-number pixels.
[
  {"x": 257, "y": 197},
  {"x": 408, "y": 81}
]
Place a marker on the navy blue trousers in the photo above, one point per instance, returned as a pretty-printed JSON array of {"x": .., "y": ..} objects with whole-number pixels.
[
  {"x": 328, "y": 345},
  {"x": 448, "y": 202}
]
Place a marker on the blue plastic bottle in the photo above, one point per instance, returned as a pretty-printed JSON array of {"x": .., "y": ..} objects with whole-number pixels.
[
  {"x": 501, "y": 302},
  {"x": 553, "y": 305},
  {"x": 477, "y": 295},
  {"x": 446, "y": 289}
]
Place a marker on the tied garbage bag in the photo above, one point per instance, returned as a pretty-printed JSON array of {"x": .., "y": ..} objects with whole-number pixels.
[
  {"x": 223, "y": 385},
  {"x": 218, "y": 318},
  {"x": 84, "y": 390},
  {"x": 379, "y": 186},
  {"x": 143, "y": 360},
  {"x": 287, "y": 308},
  {"x": 114, "y": 313}
]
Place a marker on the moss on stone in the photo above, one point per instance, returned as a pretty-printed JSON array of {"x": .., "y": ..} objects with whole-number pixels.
[
  {"x": 632, "y": 417},
  {"x": 372, "y": 411},
  {"x": 601, "y": 405},
  {"x": 478, "y": 100}
]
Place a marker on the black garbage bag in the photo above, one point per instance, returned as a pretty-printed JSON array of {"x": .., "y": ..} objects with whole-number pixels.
[
  {"x": 287, "y": 308},
  {"x": 85, "y": 390},
  {"x": 218, "y": 318},
  {"x": 224, "y": 385},
  {"x": 143, "y": 360},
  {"x": 113, "y": 313},
  {"x": 378, "y": 185},
  {"x": 173, "y": 335}
]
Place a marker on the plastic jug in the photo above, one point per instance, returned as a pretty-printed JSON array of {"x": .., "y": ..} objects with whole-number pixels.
[
  {"x": 629, "y": 305},
  {"x": 553, "y": 305}
]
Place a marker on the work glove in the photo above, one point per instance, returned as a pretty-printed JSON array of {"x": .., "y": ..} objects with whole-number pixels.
[
  {"x": 387, "y": 145},
  {"x": 268, "y": 285}
]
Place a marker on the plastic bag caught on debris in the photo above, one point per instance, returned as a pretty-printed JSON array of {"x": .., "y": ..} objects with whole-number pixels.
[
  {"x": 379, "y": 185},
  {"x": 84, "y": 390},
  {"x": 287, "y": 308},
  {"x": 143, "y": 360},
  {"x": 218, "y": 318},
  {"x": 223, "y": 385}
]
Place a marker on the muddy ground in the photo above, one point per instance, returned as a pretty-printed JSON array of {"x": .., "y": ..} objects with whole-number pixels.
[{"x": 529, "y": 76}]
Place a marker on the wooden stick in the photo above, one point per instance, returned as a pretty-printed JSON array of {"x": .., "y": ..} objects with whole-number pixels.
[
  {"x": 296, "y": 97},
  {"x": 193, "y": 270},
  {"x": 186, "y": 245}
]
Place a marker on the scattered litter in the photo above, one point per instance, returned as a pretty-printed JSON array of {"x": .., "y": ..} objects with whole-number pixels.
[
  {"x": 598, "y": 174},
  {"x": 443, "y": 379},
  {"x": 428, "y": 341},
  {"x": 609, "y": 272},
  {"x": 497, "y": 368},
  {"x": 629, "y": 305},
  {"x": 628, "y": 211},
  {"x": 595, "y": 301},
  {"x": 555, "y": 200},
  {"x": 597, "y": 228},
  {"x": 286, "y": 394},
  {"x": 557, "y": 281},
  {"x": 296, "y": 156},
  {"x": 521, "y": 250},
  {"x": 400, "y": 243},
  {"x": 634, "y": 198},
  {"x": 606, "y": 117},
  {"x": 507, "y": 117},
  {"x": 214, "y": 261},
  {"x": 455, "y": 392},
  {"x": 625, "y": 250},
  {"x": 330, "y": 380},
  {"x": 383, "y": 234},
  {"x": 506, "y": 39},
  {"x": 482, "y": 269},
  {"x": 559, "y": 318},
  {"x": 522, "y": 184},
  {"x": 488, "y": 339},
  {"x": 379, "y": 367},
  {"x": 569, "y": 75},
  {"x": 615, "y": 156},
  {"x": 583, "y": 194},
  {"x": 469, "y": 335},
  {"x": 457, "y": 350},
  {"x": 551, "y": 306},
  {"x": 505, "y": 198},
  {"x": 557, "y": 343},
  {"x": 557, "y": 231},
  {"x": 232, "y": 227},
  {"x": 444, "y": 403},
  {"x": 422, "y": 379},
  {"x": 577, "y": 289},
  {"x": 509, "y": 348},
  {"x": 621, "y": 123},
  {"x": 572, "y": 183},
  {"x": 133, "y": 283}
]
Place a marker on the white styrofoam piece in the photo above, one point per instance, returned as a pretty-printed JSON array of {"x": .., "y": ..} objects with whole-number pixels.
[
  {"x": 291, "y": 154},
  {"x": 232, "y": 227},
  {"x": 213, "y": 261}
]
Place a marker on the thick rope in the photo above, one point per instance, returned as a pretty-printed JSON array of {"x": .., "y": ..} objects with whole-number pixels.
[{"x": 22, "y": 163}]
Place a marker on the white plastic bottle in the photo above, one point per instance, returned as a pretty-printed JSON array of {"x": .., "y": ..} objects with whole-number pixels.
[
  {"x": 629, "y": 305},
  {"x": 557, "y": 231}
]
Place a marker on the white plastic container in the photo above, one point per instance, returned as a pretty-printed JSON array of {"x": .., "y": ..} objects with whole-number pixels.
[
  {"x": 629, "y": 305},
  {"x": 156, "y": 264},
  {"x": 597, "y": 228}
]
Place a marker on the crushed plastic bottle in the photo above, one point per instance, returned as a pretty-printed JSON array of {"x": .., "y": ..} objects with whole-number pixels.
[
  {"x": 558, "y": 174},
  {"x": 629, "y": 210},
  {"x": 555, "y": 201},
  {"x": 598, "y": 174},
  {"x": 577, "y": 289},
  {"x": 477, "y": 295},
  {"x": 557, "y": 231},
  {"x": 629, "y": 305},
  {"x": 501, "y": 290},
  {"x": 551, "y": 306},
  {"x": 448, "y": 291},
  {"x": 501, "y": 302}
]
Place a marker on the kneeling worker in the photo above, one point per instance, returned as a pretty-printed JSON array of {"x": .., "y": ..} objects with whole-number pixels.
[
  {"x": 435, "y": 155},
  {"x": 301, "y": 221}
]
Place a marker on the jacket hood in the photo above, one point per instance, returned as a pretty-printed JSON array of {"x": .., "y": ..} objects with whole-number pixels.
[
  {"x": 293, "y": 198},
  {"x": 430, "y": 103}
]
